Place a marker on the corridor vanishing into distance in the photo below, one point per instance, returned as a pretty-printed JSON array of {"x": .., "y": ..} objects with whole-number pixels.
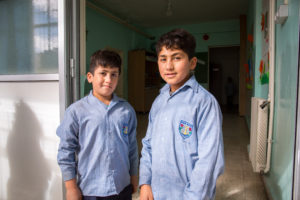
[{"x": 238, "y": 182}]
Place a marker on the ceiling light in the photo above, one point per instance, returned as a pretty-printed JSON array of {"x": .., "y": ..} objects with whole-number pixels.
[{"x": 169, "y": 11}]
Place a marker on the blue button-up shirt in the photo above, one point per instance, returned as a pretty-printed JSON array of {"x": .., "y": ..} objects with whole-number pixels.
[
  {"x": 182, "y": 153},
  {"x": 98, "y": 145}
]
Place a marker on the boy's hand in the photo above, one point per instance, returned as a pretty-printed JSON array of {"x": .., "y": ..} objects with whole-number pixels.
[
  {"x": 73, "y": 192},
  {"x": 134, "y": 183},
  {"x": 146, "y": 193}
]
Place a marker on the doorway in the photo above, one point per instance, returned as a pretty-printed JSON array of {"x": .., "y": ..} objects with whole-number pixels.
[{"x": 224, "y": 76}]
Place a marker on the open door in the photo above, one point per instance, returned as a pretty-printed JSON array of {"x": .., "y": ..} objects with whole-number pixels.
[{"x": 36, "y": 85}]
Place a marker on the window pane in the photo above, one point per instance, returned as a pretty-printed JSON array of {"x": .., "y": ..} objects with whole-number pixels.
[{"x": 29, "y": 37}]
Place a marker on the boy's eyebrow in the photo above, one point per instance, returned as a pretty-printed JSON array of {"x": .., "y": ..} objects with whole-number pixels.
[
  {"x": 175, "y": 54},
  {"x": 111, "y": 71}
]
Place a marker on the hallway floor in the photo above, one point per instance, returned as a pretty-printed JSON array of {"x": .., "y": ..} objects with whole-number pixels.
[{"x": 238, "y": 182}]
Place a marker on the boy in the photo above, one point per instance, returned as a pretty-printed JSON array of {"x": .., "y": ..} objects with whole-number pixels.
[
  {"x": 98, "y": 150},
  {"x": 182, "y": 153}
]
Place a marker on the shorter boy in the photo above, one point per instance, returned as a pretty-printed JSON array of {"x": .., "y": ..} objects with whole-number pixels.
[
  {"x": 182, "y": 153},
  {"x": 98, "y": 153}
]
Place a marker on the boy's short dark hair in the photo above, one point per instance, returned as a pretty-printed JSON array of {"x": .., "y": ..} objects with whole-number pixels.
[
  {"x": 177, "y": 39},
  {"x": 105, "y": 58}
]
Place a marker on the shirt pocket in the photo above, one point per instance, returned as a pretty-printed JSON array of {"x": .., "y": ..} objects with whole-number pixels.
[{"x": 123, "y": 128}]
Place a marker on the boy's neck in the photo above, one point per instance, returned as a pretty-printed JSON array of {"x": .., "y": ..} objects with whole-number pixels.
[
  {"x": 105, "y": 100},
  {"x": 174, "y": 88}
]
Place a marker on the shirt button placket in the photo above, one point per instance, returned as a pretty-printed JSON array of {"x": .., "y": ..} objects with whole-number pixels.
[{"x": 107, "y": 135}]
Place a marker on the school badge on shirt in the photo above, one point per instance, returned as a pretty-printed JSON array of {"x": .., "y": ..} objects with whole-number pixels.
[
  {"x": 185, "y": 129},
  {"x": 125, "y": 129}
]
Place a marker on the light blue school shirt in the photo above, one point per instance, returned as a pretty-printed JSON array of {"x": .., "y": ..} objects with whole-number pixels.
[
  {"x": 98, "y": 145},
  {"x": 182, "y": 153}
]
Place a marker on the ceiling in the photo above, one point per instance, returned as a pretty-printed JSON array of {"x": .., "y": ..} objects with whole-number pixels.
[{"x": 153, "y": 13}]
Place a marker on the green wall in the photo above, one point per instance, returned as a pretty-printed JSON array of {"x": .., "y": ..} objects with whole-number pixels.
[
  {"x": 221, "y": 33},
  {"x": 260, "y": 90},
  {"x": 279, "y": 180},
  {"x": 250, "y": 54},
  {"x": 102, "y": 32}
]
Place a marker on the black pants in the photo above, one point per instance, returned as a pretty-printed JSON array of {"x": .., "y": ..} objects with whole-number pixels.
[{"x": 125, "y": 194}]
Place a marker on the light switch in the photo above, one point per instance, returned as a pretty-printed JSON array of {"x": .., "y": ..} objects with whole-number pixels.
[{"x": 282, "y": 14}]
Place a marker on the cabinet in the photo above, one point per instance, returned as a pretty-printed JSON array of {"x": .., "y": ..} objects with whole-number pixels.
[{"x": 143, "y": 79}]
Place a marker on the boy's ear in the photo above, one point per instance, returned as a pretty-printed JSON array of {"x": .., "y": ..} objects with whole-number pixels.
[
  {"x": 89, "y": 77},
  {"x": 193, "y": 63}
]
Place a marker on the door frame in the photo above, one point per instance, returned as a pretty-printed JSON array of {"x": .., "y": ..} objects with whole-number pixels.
[
  {"x": 296, "y": 173},
  {"x": 69, "y": 52},
  {"x": 209, "y": 66}
]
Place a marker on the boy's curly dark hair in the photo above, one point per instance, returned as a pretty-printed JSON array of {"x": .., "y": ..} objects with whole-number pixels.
[{"x": 177, "y": 39}]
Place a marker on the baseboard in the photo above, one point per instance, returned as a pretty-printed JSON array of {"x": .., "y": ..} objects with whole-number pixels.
[{"x": 266, "y": 188}]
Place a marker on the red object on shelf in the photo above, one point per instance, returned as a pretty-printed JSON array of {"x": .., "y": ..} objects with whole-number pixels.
[{"x": 205, "y": 37}]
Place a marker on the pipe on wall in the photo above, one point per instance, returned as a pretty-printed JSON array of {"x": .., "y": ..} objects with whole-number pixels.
[{"x": 271, "y": 81}]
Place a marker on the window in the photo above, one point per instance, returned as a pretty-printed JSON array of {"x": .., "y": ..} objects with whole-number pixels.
[{"x": 29, "y": 37}]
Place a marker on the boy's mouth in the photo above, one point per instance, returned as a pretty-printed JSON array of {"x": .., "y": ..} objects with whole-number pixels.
[
  {"x": 106, "y": 86},
  {"x": 170, "y": 75}
]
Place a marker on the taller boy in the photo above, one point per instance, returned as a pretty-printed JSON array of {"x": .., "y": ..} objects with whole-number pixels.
[{"x": 182, "y": 153}]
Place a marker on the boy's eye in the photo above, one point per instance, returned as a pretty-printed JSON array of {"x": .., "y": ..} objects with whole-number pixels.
[
  {"x": 114, "y": 75},
  {"x": 103, "y": 73},
  {"x": 177, "y": 58},
  {"x": 162, "y": 59}
]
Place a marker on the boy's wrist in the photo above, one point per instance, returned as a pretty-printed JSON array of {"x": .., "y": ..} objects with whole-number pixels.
[
  {"x": 71, "y": 184},
  {"x": 144, "y": 186}
]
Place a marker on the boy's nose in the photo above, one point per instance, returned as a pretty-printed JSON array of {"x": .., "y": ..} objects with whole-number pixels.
[
  {"x": 169, "y": 65},
  {"x": 108, "y": 78}
]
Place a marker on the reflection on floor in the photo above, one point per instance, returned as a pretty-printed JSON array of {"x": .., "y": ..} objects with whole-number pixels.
[{"x": 238, "y": 182}]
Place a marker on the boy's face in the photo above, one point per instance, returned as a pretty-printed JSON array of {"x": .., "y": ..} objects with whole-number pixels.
[
  {"x": 104, "y": 81},
  {"x": 175, "y": 66}
]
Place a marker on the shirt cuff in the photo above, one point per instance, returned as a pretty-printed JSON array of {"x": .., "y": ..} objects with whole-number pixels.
[
  {"x": 68, "y": 175},
  {"x": 144, "y": 180}
]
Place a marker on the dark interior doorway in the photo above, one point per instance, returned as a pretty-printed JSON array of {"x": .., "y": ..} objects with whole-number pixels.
[{"x": 224, "y": 76}]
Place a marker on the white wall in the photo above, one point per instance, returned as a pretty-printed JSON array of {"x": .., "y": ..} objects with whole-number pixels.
[{"x": 29, "y": 116}]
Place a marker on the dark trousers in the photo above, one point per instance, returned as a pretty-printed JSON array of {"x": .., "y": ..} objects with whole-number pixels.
[{"x": 125, "y": 194}]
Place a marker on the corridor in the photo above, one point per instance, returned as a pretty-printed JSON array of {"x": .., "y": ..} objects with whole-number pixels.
[{"x": 238, "y": 182}]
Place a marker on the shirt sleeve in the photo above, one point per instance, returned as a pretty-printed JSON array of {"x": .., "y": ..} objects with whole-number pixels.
[
  {"x": 133, "y": 148},
  {"x": 146, "y": 159},
  {"x": 210, "y": 164},
  {"x": 67, "y": 131}
]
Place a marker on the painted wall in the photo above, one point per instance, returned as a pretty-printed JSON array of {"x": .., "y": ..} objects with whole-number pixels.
[
  {"x": 260, "y": 90},
  {"x": 102, "y": 32},
  {"x": 250, "y": 56},
  {"x": 279, "y": 180},
  {"x": 254, "y": 53},
  {"x": 221, "y": 33}
]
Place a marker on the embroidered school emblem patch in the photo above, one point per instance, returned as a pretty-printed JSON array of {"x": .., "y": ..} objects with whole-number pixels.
[
  {"x": 125, "y": 129},
  {"x": 185, "y": 129}
]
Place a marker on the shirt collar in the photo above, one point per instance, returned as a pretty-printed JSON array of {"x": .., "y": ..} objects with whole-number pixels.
[
  {"x": 192, "y": 83},
  {"x": 113, "y": 101}
]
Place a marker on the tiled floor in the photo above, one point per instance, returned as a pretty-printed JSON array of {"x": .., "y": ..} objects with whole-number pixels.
[{"x": 238, "y": 182}]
